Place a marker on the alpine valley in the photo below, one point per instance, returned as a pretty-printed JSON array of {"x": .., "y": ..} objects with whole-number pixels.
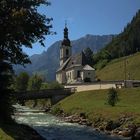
[{"x": 47, "y": 62}]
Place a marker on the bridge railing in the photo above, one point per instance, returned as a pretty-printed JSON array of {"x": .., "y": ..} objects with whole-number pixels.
[{"x": 45, "y": 93}]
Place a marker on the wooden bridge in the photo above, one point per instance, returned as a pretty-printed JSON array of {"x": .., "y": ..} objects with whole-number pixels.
[{"x": 55, "y": 95}]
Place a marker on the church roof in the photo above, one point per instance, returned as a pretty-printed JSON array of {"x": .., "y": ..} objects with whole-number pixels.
[
  {"x": 87, "y": 67},
  {"x": 77, "y": 60},
  {"x": 64, "y": 65},
  {"x": 74, "y": 61},
  {"x": 66, "y": 42}
]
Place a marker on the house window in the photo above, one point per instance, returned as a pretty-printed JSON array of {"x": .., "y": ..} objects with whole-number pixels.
[
  {"x": 78, "y": 74},
  {"x": 67, "y": 52},
  {"x": 88, "y": 73}
]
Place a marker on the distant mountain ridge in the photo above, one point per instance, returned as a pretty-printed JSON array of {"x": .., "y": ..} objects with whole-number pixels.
[{"x": 47, "y": 62}]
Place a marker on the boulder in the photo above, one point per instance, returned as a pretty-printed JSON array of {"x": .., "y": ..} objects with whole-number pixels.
[
  {"x": 136, "y": 135},
  {"x": 126, "y": 133},
  {"x": 112, "y": 125},
  {"x": 83, "y": 115}
]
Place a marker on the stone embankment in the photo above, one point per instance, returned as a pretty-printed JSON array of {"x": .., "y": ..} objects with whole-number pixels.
[{"x": 109, "y": 127}]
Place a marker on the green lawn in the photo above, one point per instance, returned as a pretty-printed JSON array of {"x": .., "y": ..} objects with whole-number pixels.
[
  {"x": 115, "y": 69},
  {"x": 93, "y": 103}
]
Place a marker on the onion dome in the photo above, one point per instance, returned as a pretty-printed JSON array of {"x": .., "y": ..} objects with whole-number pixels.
[{"x": 66, "y": 41}]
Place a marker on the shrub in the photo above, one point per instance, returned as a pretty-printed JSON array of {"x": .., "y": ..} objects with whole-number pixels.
[
  {"x": 112, "y": 97},
  {"x": 53, "y": 85},
  {"x": 35, "y": 82},
  {"x": 98, "y": 79},
  {"x": 56, "y": 110},
  {"x": 44, "y": 86},
  {"x": 87, "y": 79}
]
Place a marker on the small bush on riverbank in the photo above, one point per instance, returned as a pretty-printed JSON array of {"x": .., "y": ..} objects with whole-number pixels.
[{"x": 112, "y": 98}]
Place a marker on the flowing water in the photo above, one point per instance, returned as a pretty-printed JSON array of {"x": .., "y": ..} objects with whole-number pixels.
[{"x": 52, "y": 128}]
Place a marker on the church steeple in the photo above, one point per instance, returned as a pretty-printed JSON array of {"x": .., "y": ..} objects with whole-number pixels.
[
  {"x": 65, "y": 31},
  {"x": 65, "y": 49},
  {"x": 66, "y": 40}
]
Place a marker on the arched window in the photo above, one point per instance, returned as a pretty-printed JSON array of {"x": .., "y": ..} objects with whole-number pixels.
[{"x": 67, "y": 52}]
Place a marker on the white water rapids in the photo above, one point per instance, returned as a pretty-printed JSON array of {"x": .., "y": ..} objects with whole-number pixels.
[{"x": 52, "y": 128}]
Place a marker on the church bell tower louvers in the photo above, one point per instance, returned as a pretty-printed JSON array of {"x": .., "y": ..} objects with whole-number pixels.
[{"x": 65, "y": 49}]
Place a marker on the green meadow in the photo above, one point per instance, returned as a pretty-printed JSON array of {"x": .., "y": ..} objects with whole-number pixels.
[
  {"x": 115, "y": 70},
  {"x": 94, "y": 104}
]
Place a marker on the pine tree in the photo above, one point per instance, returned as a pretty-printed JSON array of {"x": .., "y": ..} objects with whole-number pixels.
[{"x": 89, "y": 56}]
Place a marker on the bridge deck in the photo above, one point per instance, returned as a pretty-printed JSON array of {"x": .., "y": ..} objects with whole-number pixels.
[{"x": 49, "y": 93}]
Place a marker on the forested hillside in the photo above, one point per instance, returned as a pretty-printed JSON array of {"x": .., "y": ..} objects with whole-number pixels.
[{"x": 124, "y": 44}]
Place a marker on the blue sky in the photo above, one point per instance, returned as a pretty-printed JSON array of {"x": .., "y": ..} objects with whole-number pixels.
[{"x": 97, "y": 17}]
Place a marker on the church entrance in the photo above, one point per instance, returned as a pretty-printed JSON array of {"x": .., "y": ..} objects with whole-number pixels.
[{"x": 78, "y": 74}]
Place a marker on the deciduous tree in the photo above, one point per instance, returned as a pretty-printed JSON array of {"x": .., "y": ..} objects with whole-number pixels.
[
  {"x": 35, "y": 82},
  {"x": 22, "y": 81},
  {"x": 20, "y": 25}
]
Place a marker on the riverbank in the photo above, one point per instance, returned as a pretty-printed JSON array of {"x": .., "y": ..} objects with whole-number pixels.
[
  {"x": 53, "y": 128},
  {"x": 14, "y": 131},
  {"x": 39, "y": 104},
  {"x": 90, "y": 108}
]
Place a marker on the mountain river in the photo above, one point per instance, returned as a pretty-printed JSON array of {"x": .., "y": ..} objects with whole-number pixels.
[{"x": 52, "y": 128}]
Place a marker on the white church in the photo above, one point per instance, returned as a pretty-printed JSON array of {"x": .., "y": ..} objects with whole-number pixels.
[{"x": 73, "y": 68}]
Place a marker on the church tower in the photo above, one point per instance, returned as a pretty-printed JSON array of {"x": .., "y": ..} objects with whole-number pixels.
[{"x": 65, "y": 49}]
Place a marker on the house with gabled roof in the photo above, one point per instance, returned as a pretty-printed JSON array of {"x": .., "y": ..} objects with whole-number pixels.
[{"x": 73, "y": 68}]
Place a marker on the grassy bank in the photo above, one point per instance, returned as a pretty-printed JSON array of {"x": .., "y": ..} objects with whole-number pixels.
[
  {"x": 4, "y": 135},
  {"x": 93, "y": 104},
  {"x": 14, "y": 131},
  {"x": 115, "y": 69}
]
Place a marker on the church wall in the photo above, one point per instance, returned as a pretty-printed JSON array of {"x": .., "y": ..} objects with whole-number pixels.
[
  {"x": 61, "y": 77},
  {"x": 76, "y": 69},
  {"x": 71, "y": 74},
  {"x": 88, "y": 74}
]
